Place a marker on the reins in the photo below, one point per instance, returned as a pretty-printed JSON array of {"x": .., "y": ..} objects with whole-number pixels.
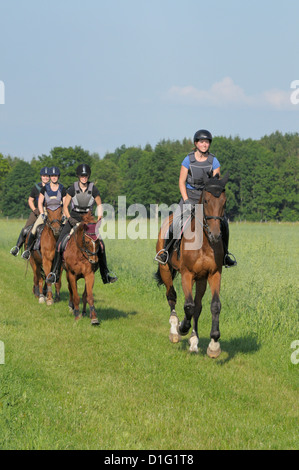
[
  {"x": 206, "y": 227},
  {"x": 84, "y": 250}
]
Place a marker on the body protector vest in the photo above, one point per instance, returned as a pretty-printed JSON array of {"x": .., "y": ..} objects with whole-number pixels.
[
  {"x": 53, "y": 199},
  {"x": 197, "y": 170},
  {"x": 82, "y": 201}
]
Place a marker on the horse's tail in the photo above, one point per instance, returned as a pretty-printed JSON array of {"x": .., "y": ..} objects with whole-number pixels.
[{"x": 158, "y": 277}]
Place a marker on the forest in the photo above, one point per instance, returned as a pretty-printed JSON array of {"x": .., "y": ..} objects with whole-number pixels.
[{"x": 263, "y": 175}]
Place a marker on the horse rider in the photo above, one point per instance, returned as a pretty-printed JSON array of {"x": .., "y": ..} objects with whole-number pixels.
[
  {"x": 82, "y": 195},
  {"x": 33, "y": 204},
  {"x": 51, "y": 196},
  {"x": 191, "y": 185}
]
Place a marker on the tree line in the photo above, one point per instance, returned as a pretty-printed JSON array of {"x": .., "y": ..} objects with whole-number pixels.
[{"x": 263, "y": 181}]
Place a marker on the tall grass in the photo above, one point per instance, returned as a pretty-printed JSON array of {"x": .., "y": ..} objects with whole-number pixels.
[{"x": 123, "y": 385}]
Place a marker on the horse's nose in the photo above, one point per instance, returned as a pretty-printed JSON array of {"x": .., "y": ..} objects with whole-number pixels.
[{"x": 215, "y": 237}]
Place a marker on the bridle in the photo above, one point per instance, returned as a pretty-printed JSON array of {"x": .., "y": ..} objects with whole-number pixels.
[
  {"x": 84, "y": 250},
  {"x": 55, "y": 231},
  {"x": 206, "y": 227}
]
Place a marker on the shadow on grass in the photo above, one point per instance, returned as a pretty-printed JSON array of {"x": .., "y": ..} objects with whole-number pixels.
[
  {"x": 242, "y": 345},
  {"x": 104, "y": 313}
]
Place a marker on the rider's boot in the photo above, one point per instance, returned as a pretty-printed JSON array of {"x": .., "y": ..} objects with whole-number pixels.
[
  {"x": 30, "y": 243},
  {"x": 54, "y": 275},
  {"x": 228, "y": 262},
  {"x": 107, "y": 278},
  {"x": 163, "y": 255},
  {"x": 21, "y": 240}
]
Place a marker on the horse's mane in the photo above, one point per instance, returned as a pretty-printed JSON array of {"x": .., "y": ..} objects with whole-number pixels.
[{"x": 88, "y": 218}]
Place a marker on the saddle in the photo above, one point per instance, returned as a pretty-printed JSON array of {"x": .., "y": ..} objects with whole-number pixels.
[{"x": 175, "y": 243}]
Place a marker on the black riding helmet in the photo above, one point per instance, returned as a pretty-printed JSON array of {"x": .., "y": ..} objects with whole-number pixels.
[
  {"x": 83, "y": 170},
  {"x": 203, "y": 134},
  {"x": 54, "y": 171}
]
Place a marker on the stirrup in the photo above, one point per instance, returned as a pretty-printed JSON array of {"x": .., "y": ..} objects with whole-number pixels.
[
  {"x": 51, "y": 276},
  {"x": 25, "y": 254},
  {"x": 234, "y": 260},
  {"x": 13, "y": 248},
  {"x": 157, "y": 257}
]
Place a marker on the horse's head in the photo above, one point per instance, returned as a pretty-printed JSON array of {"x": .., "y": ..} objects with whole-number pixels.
[
  {"x": 54, "y": 220},
  {"x": 88, "y": 239},
  {"x": 213, "y": 200}
]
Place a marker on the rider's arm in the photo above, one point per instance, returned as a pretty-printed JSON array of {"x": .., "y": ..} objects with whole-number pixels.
[
  {"x": 182, "y": 182},
  {"x": 41, "y": 198},
  {"x": 99, "y": 210},
  {"x": 66, "y": 201},
  {"x": 31, "y": 203}
]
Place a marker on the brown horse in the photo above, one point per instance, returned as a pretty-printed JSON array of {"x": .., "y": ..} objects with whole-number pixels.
[
  {"x": 198, "y": 265},
  {"x": 41, "y": 261},
  {"x": 81, "y": 261}
]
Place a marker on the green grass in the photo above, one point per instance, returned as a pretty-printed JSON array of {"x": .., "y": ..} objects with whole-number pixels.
[{"x": 123, "y": 385}]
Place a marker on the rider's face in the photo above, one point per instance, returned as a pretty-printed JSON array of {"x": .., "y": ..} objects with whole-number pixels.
[
  {"x": 83, "y": 179},
  {"x": 54, "y": 179},
  {"x": 202, "y": 145},
  {"x": 45, "y": 179}
]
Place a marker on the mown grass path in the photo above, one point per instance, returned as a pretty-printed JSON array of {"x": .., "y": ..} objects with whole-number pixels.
[{"x": 123, "y": 385}]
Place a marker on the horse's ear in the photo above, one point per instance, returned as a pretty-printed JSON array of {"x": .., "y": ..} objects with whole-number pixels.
[{"x": 224, "y": 180}]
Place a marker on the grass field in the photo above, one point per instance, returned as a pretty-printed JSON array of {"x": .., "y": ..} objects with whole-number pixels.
[{"x": 123, "y": 385}]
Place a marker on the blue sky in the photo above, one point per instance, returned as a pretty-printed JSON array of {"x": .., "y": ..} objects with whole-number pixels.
[{"x": 103, "y": 73}]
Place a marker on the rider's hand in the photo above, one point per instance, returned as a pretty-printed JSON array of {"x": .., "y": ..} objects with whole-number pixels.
[
  {"x": 187, "y": 201},
  {"x": 72, "y": 221}
]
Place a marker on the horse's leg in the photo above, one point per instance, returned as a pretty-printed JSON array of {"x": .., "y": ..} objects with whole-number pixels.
[
  {"x": 189, "y": 306},
  {"x": 57, "y": 288},
  {"x": 166, "y": 278},
  {"x": 200, "y": 291},
  {"x": 35, "y": 277},
  {"x": 84, "y": 301},
  {"x": 47, "y": 264},
  {"x": 76, "y": 299},
  {"x": 71, "y": 303},
  {"x": 214, "y": 346},
  {"x": 89, "y": 282}
]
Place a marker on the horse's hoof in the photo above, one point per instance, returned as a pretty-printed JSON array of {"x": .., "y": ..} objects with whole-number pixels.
[
  {"x": 41, "y": 299},
  {"x": 49, "y": 301},
  {"x": 95, "y": 322},
  {"x": 184, "y": 330},
  {"x": 174, "y": 336},
  {"x": 193, "y": 341},
  {"x": 214, "y": 349}
]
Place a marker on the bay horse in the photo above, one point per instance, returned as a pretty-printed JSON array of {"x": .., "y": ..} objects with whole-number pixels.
[
  {"x": 41, "y": 260},
  {"x": 198, "y": 265},
  {"x": 80, "y": 260}
]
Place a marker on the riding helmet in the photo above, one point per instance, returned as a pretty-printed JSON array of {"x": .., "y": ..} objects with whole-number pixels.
[
  {"x": 83, "y": 170},
  {"x": 45, "y": 171},
  {"x": 202, "y": 134},
  {"x": 54, "y": 171}
]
